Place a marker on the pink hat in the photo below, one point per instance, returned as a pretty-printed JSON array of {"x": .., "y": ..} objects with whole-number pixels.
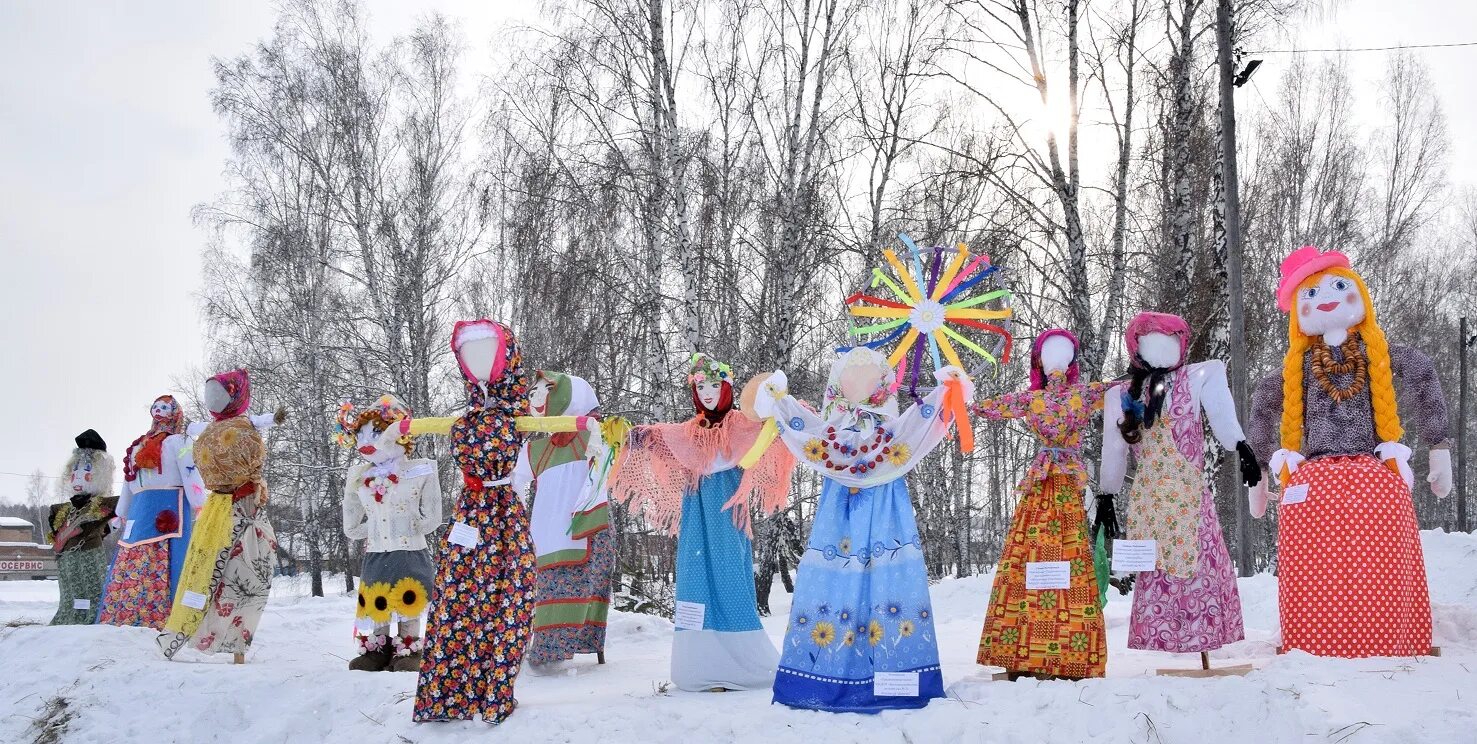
[
  {"x": 1301, "y": 264},
  {"x": 1148, "y": 322}
]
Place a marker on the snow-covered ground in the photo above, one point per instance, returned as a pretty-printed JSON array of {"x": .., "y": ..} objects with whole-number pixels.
[{"x": 296, "y": 688}]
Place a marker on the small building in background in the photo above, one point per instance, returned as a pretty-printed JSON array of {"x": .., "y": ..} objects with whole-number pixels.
[{"x": 21, "y": 558}]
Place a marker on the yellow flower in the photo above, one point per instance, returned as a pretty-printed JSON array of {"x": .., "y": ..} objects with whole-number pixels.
[
  {"x": 815, "y": 450},
  {"x": 845, "y": 545},
  {"x": 408, "y": 598},
  {"x": 1038, "y": 405},
  {"x": 874, "y": 632},
  {"x": 905, "y": 628},
  {"x": 823, "y": 634},
  {"x": 1075, "y": 402},
  {"x": 849, "y": 638},
  {"x": 899, "y": 454},
  {"x": 374, "y": 602}
]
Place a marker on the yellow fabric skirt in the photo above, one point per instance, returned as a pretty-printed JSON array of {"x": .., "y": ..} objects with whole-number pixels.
[{"x": 211, "y": 537}]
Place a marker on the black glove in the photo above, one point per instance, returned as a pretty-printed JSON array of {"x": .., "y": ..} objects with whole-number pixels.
[
  {"x": 1107, "y": 518},
  {"x": 1251, "y": 472}
]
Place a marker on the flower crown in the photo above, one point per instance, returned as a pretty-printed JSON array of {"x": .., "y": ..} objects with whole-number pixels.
[
  {"x": 345, "y": 424},
  {"x": 703, "y": 368}
]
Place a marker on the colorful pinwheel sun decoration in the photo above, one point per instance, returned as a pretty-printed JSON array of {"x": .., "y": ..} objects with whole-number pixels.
[{"x": 942, "y": 304}]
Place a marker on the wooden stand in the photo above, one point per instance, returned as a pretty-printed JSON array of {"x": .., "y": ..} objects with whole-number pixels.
[
  {"x": 239, "y": 658},
  {"x": 1205, "y": 670},
  {"x": 599, "y": 657}
]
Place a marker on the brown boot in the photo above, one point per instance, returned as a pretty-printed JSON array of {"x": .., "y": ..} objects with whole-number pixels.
[
  {"x": 375, "y": 654},
  {"x": 407, "y": 654}
]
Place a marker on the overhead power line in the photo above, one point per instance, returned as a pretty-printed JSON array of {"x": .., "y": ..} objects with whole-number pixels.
[{"x": 1367, "y": 49}]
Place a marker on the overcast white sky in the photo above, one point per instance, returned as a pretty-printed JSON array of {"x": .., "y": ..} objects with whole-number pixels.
[{"x": 107, "y": 140}]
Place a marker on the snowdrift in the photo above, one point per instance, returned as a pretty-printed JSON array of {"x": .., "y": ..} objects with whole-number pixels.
[{"x": 106, "y": 684}]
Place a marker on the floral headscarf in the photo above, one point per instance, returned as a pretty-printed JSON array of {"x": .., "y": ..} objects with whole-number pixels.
[
  {"x": 238, "y": 386},
  {"x": 146, "y": 452},
  {"x": 882, "y": 400}
]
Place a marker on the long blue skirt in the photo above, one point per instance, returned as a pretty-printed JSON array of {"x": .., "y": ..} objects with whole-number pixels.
[
  {"x": 861, "y": 608},
  {"x": 715, "y": 568}
]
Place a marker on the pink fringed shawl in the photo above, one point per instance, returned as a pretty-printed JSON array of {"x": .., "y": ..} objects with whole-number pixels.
[{"x": 662, "y": 463}]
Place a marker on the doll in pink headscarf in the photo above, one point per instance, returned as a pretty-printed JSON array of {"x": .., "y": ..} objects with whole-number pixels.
[
  {"x": 1056, "y": 629},
  {"x": 1189, "y": 602}
]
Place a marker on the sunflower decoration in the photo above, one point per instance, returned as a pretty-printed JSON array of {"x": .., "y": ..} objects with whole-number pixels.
[
  {"x": 815, "y": 450},
  {"x": 944, "y": 302},
  {"x": 823, "y": 634},
  {"x": 874, "y": 632},
  {"x": 906, "y": 628},
  {"x": 899, "y": 455},
  {"x": 408, "y": 598},
  {"x": 374, "y": 602}
]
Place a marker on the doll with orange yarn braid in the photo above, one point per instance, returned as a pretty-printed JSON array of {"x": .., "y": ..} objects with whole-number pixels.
[{"x": 1351, "y": 577}]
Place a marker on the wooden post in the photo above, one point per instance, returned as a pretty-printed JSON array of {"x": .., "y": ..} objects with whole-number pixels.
[
  {"x": 1461, "y": 428},
  {"x": 1236, "y": 321},
  {"x": 239, "y": 658}
]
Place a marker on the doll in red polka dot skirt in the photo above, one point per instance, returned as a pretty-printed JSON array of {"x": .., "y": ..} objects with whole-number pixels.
[{"x": 1351, "y": 577}]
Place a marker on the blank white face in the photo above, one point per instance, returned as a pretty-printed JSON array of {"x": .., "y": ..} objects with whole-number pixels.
[
  {"x": 859, "y": 382},
  {"x": 709, "y": 392},
  {"x": 1330, "y": 308},
  {"x": 1159, "y": 350},
  {"x": 216, "y": 397},
  {"x": 478, "y": 356},
  {"x": 538, "y": 398},
  {"x": 1056, "y": 354}
]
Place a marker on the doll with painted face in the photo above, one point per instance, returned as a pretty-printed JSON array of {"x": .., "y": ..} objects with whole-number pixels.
[
  {"x": 227, "y": 573},
  {"x": 1351, "y": 579},
  {"x": 156, "y": 515},
  {"x": 1189, "y": 603},
  {"x": 77, "y": 526},
  {"x": 565, "y": 472},
  {"x": 686, "y": 478},
  {"x": 862, "y": 633},
  {"x": 1054, "y": 629},
  {"x": 391, "y": 501}
]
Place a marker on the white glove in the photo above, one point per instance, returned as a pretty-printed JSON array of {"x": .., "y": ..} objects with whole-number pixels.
[
  {"x": 1440, "y": 477},
  {"x": 1401, "y": 455},
  {"x": 1257, "y": 496},
  {"x": 1291, "y": 458},
  {"x": 773, "y": 388}
]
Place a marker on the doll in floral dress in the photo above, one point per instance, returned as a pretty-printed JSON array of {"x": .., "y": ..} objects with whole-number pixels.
[{"x": 1059, "y": 631}]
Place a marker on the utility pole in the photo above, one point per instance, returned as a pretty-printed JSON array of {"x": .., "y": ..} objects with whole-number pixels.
[
  {"x": 1461, "y": 426},
  {"x": 1237, "y": 319}
]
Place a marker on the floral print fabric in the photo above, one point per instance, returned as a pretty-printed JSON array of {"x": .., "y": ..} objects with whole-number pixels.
[
  {"x": 476, "y": 633},
  {"x": 1168, "y": 484},
  {"x": 1057, "y": 414},
  {"x": 573, "y": 602},
  {"x": 79, "y": 577},
  {"x": 138, "y": 590},
  {"x": 1058, "y": 632},
  {"x": 240, "y": 580},
  {"x": 861, "y": 606}
]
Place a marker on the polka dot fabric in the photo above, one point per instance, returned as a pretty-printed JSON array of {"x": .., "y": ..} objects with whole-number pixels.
[{"x": 1351, "y": 578}]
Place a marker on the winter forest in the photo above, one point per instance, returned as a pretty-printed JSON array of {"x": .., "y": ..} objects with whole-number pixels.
[{"x": 643, "y": 178}]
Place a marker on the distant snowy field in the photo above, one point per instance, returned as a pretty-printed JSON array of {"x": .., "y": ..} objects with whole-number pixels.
[{"x": 296, "y": 687}]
